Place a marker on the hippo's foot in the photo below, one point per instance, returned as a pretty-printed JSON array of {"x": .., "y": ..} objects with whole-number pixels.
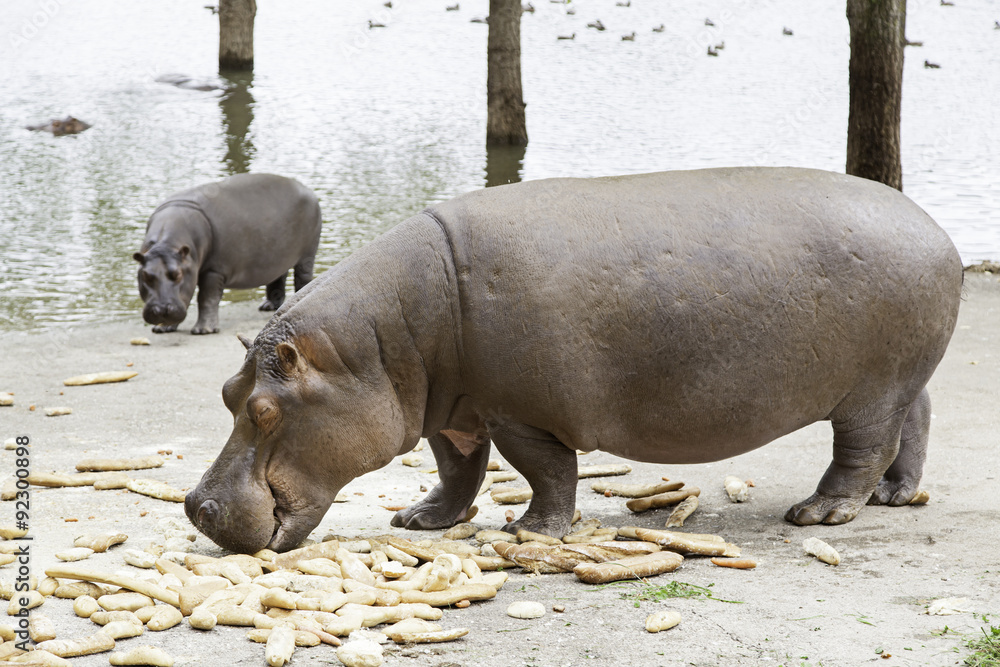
[
  {"x": 824, "y": 509},
  {"x": 437, "y": 510},
  {"x": 164, "y": 328},
  {"x": 555, "y": 524},
  {"x": 894, "y": 493},
  {"x": 201, "y": 329},
  {"x": 271, "y": 305}
]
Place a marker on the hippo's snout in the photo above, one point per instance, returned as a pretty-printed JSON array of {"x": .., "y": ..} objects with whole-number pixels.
[{"x": 157, "y": 312}]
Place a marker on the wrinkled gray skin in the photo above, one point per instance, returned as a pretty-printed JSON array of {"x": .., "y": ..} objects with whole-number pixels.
[
  {"x": 242, "y": 232},
  {"x": 680, "y": 317}
]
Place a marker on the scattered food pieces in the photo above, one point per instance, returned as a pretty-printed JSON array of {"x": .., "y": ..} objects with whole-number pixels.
[
  {"x": 823, "y": 551},
  {"x": 681, "y": 512},
  {"x": 142, "y": 655},
  {"x": 78, "y": 553},
  {"x": 411, "y": 460},
  {"x": 6, "y": 398},
  {"x": 156, "y": 489},
  {"x": 630, "y": 567},
  {"x": 360, "y": 653},
  {"x": 58, "y": 412},
  {"x": 526, "y": 609},
  {"x": 140, "y": 340},
  {"x": 736, "y": 489},
  {"x": 635, "y": 490},
  {"x": 738, "y": 563},
  {"x": 607, "y": 470},
  {"x": 661, "y": 499},
  {"x": 948, "y": 607},
  {"x": 102, "y": 465},
  {"x": 99, "y": 378},
  {"x": 662, "y": 620},
  {"x": 920, "y": 498},
  {"x": 506, "y": 495}
]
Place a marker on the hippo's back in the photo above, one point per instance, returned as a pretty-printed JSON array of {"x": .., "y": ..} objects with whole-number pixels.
[{"x": 686, "y": 308}]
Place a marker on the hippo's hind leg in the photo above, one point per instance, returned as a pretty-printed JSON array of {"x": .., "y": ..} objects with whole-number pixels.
[
  {"x": 861, "y": 454},
  {"x": 275, "y": 293},
  {"x": 461, "y": 476},
  {"x": 901, "y": 481},
  {"x": 303, "y": 271},
  {"x": 550, "y": 468}
]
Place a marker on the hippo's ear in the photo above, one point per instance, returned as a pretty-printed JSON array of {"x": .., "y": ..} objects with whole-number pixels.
[
  {"x": 139, "y": 257},
  {"x": 246, "y": 341},
  {"x": 291, "y": 361}
]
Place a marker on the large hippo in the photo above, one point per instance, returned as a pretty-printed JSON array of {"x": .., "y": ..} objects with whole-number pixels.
[
  {"x": 245, "y": 231},
  {"x": 677, "y": 317}
]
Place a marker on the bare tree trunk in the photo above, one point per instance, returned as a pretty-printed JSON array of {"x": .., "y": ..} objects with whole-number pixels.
[
  {"x": 236, "y": 34},
  {"x": 505, "y": 124},
  {"x": 876, "y": 83}
]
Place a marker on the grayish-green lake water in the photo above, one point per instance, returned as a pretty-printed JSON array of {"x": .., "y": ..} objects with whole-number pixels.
[{"x": 382, "y": 122}]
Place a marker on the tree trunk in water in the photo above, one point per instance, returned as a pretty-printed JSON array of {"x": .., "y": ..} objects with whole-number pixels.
[
  {"x": 876, "y": 83},
  {"x": 236, "y": 34},
  {"x": 505, "y": 124}
]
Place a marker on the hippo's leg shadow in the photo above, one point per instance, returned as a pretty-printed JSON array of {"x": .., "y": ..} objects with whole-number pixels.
[
  {"x": 550, "y": 468},
  {"x": 303, "y": 272},
  {"x": 210, "y": 287},
  {"x": 902, "y": 480},
  {"x": 448, "y": 502},
  {"x": 275, "y": 293},
  {"x": 861, "y": 454}
]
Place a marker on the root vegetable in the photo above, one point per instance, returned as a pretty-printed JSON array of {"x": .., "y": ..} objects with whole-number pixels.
[
  {"x": 142, "y": 655},
  {"x": 20, "y": 601},
  {"x": 685, "y": 545},
  {"x": 137, "y": 558},
  {"x": 446, "y": 567},
  {"x": 40, "y": 628},
  {"x": 323, "y": 567},
  {"x": 155, "y": 489},
  {"x": 630, "y": 533},
  {"x": 165, "y": 566},
  {"x": 540, "y": 558},
  {"x": 202, "y": 619},
  {"x": 428, "y": 637},
  {"x": 607, "y": 470},
  {"x": 661, "y": 499},
  {"x": 280, "y": 646},
  {"x": 58, "y": 412},
  {"x": 662, "y": 620},
  {"x": 57, "y": 480},
  {"x": 75, "y": 554},
  {"x": 111, "y": 480},
  {"x": 399, "y": 555},
  {"x": 485, "y": 486},
  {"x": 139, "y": 340},
  {"x": 99, "y": 378},
  {"x": 163, "y": 617},
  {"x": 360, "y": 653},
  {"x": 526, "y": 609},
  {"x": 130, "y": 583},
  {"x": 71, "y": 648},
  {"x": 105, "y": 617},
  {"x": 529, "y": 536},
  {"x": 921, "y": 498},
  {"x": 11, "y": 532},
  {"x": 451, "y": 595},
  {"x": 302, "y": 638},
  {"x": 290, "y": 559},
  {"x": 411, "y": 460},
  {"x": 460, "y": 532},
  {"x": 276, "y": 597},
  {"x": 506, "y": 495},
  {"x": 737, "y": 563},
  {"x": 103, "y": 465},
  {"x": 736, "y": 489},
  {"x": 823, "y": 551},
  {"x": 630, "y": 567},
  {"x": 124, "y": 601},
  {"x": 48, "y": 586},
  {"x": 233, "y": 615},
  {"x": 683, "y": 510},
  {"x": 353, "y": 568},
  {"x": 122, "y": 629},
  {"x": 80, "y": 588},
  {"x": 38, "y": 658},
  {"x": 635, "y": 490}
]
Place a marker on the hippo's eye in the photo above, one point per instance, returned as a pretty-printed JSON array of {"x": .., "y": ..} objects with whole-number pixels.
[
  {"x": 147, "y": 277},
  {"x": 264, "y": 414},
  {"x": 174, "y": 276}
]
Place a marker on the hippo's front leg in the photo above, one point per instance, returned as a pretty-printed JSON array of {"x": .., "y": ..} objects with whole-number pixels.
[
  {"x": 550, "y": 468},
  {"x": 461, "y": 476},
  {"x": 210, "y": 287}
]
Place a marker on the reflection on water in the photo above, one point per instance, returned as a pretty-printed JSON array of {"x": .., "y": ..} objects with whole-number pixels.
[
  {"x": 380, "y": 126},
  {"x": 504, "y": 164},
  {"x": 237, "y": 114}
]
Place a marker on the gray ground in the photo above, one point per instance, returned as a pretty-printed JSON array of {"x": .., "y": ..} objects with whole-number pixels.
[{"x": 795, "y": 610}]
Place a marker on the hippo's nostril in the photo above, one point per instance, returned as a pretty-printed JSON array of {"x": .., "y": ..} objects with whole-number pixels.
[{"x": 207, "y": 516}]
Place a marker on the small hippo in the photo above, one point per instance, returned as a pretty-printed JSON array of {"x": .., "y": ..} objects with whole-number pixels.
[
  {"x": 59, "y": 127},
  {"x": 678, "y": 317},
  {"x": 242, "y": 232}
]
